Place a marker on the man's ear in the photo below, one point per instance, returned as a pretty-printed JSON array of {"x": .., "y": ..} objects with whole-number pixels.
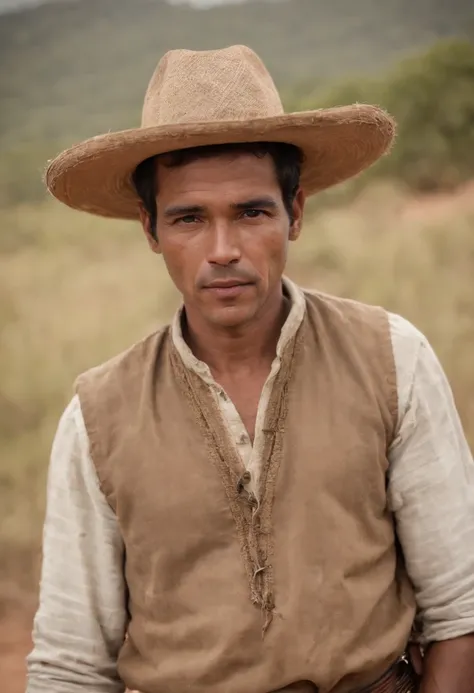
[
  {"x": 298, "y": 209},
  {"x": 149, "y": 232}
]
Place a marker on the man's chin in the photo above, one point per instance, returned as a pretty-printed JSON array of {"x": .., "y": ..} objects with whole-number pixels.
[{"x": 231, "y": 316}]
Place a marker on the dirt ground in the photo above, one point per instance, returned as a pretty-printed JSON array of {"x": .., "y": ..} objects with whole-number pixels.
[{"x": 15, "y": 643}]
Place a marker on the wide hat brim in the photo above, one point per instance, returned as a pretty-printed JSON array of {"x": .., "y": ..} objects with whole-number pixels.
[{"x": 95, "y": 176}]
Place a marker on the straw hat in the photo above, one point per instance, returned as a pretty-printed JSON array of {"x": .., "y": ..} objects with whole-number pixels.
[{"x": 200, "y": 98}]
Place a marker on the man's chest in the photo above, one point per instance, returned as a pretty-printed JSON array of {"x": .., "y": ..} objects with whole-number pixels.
[{"x": 240, "y": 404}]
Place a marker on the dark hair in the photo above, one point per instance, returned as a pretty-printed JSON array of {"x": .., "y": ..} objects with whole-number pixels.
[{"x": 287, "y": 159}]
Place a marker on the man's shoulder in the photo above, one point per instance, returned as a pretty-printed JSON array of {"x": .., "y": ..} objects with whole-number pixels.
[
  {"x": 343, "y": 306},
  {"x": 129, "y": 361},
  {"x": 400, "y": 326},
  {"x": 405, "y": 337},
  {"x": 405, "y": 332}
]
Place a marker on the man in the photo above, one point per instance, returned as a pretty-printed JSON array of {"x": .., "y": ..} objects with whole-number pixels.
[{"x": 266, "y": 494}]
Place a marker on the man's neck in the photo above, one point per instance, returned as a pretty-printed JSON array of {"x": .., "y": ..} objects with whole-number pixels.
[{"x": 228, "y": 351}]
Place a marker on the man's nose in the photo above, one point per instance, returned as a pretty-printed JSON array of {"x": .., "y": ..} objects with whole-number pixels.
[{"x": 224, "y": 245}]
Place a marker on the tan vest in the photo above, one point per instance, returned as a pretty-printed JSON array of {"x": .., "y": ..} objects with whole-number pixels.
[{"x": 230, "y": 594}]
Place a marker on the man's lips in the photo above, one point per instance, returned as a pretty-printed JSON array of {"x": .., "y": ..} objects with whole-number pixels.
[
  {"x": 227, "y": 288},
  {"x": 226, "y": 283}
]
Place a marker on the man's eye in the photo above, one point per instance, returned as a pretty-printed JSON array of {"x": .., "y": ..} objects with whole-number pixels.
[
  {"x": 253, "y": 213},
  {"x": 188, "y": 219}
]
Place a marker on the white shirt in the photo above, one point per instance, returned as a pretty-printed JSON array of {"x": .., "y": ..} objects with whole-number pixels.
[{"x": 81, "y": 621}]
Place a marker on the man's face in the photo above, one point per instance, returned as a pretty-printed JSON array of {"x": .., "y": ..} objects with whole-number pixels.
[{"x": 223, "y": 232}]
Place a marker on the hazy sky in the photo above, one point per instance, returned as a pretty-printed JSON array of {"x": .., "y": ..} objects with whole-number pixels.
[{"x": 11, "y": 4}]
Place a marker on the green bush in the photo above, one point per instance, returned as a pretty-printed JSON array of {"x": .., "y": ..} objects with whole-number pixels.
[{"x": 432, "y": 98}]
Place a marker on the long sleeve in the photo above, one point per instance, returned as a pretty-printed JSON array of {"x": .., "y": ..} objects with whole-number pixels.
[
  {"x": 431, "y": 489},
  {"x": 81, "y": 620}
]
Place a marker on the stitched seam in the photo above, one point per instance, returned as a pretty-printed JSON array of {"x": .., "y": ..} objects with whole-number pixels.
[{"x": 252, "y": 518}]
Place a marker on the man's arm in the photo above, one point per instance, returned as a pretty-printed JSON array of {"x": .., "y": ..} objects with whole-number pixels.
[
  {"x": 449, "y": 667},
  {"x": 81, "y": 620},
  {"x": 431, "y": 490}
]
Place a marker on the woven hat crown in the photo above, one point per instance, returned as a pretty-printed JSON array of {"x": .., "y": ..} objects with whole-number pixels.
[{"x": 230, "y": 84}]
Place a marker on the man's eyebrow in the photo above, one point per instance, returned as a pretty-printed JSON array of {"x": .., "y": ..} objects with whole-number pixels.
[
  {"x": 183, "y": 210},
  {"x": 256, "y": 203}
]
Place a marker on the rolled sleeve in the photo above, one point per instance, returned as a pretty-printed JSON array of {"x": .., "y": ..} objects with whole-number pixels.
[
  {"x": 80, "y": 624},
  {"x": 431, "y": 491}
]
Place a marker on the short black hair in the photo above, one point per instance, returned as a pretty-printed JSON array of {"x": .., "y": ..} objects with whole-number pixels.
[{"x": 287, "y": 159}]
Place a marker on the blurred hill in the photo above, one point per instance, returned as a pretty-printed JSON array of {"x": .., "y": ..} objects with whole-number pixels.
[{"x": 72, "y": 69}]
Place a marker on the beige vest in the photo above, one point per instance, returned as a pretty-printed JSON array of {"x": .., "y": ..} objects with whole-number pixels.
[{"x": 232, "y": 593}]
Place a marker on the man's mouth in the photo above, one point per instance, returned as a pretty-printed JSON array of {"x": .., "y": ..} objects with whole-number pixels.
[{"x": 227, "y": 288}]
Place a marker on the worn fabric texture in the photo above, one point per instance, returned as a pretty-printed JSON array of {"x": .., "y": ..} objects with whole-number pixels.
[{"x": 240, "y": 591}]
